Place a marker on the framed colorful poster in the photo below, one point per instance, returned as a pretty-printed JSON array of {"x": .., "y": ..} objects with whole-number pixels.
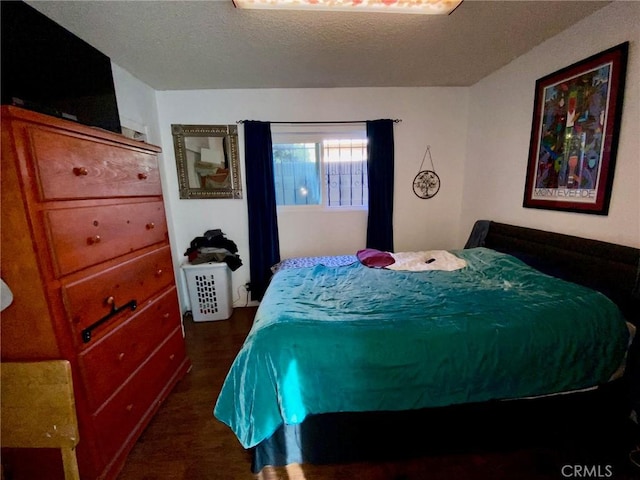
[{"x": 574, "y": 134}]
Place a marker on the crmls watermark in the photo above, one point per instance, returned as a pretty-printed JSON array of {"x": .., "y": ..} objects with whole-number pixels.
[{"x": 587, "y": 471}]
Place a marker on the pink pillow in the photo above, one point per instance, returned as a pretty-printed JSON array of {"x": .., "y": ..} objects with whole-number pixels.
[{"x": 370, "y": 257}]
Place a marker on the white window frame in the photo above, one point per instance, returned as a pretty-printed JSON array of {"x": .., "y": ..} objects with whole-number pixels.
[{"x": 317, "y": 134}]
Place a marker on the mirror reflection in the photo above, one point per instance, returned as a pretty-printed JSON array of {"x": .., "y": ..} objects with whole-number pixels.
[{"x": 207, "y": 161}]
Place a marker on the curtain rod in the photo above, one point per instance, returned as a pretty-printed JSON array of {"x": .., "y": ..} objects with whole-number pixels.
[{"x": 395, "y": 120}]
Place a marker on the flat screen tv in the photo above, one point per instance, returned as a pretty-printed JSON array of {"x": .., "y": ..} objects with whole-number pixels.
[{"x": 49, "y": 69}]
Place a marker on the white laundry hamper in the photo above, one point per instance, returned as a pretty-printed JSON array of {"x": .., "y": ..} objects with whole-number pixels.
[{"x": 209, "y": 286}]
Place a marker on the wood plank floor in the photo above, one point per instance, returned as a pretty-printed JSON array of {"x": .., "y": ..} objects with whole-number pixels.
[{"x": 185, "y": 442}]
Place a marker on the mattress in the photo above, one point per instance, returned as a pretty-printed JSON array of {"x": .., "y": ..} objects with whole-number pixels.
[{"x": 349, "y": 338}]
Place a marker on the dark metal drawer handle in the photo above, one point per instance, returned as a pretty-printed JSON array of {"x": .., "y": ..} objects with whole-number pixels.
[{"x": 86, "y": 333}]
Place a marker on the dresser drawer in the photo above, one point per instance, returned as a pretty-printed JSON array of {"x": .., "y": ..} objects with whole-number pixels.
[
  {"x": 119, "y": 417},
  {"x": 81, "y": 237},
  {"x": 91, "y": 299},
  {"x": 71, "y": 167},
  {"x": 125, "y": 348}
]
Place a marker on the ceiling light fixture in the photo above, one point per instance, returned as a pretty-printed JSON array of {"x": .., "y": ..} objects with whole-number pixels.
[{"x": 433, "y": 7}]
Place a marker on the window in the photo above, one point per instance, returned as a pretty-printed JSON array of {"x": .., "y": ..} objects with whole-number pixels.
[{"x": 327, "y": 168}]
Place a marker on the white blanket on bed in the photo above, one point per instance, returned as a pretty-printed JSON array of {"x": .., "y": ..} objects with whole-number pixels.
[{"x": 426, "y": 260}]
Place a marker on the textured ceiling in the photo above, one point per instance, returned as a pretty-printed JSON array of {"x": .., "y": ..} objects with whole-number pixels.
[{"x": 181, "y": 45}]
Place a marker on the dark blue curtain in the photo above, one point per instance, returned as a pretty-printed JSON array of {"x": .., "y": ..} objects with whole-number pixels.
[
  {"x": 380, "y": 165},
  {"x": 264, "y": 245}
]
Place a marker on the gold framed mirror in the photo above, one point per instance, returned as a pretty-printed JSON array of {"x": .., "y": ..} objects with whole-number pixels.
[{"x": 207, "y": 161}]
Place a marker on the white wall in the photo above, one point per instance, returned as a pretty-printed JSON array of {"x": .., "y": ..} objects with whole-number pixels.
[
  {"x": 136, "y": 104},
  {"x": 479, "y": 139},
  {"x": 430, "y": 116},
  {"x": 500, "y": 113}
]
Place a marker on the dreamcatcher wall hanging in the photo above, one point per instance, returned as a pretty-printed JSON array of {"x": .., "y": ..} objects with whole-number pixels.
[{"x": 427, "y": 182}]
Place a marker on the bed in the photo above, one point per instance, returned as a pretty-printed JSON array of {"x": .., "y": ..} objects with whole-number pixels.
[{"x": 347, "y": 361}]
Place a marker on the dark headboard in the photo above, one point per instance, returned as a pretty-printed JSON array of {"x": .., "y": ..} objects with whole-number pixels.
[{"x": 609, "y": 268}]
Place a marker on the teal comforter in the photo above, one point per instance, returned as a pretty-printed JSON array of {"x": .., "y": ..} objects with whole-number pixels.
[{"x": 352, "y": 338}]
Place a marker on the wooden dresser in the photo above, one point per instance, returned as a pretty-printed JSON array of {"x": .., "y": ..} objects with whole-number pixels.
[{"x": 85, "y": 252}]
